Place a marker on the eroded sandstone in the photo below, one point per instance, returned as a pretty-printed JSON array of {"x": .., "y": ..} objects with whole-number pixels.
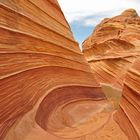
[
  {"x": 42, "y": 71},
  {"x": 113, "y": 52},
  {"x": 113, "y": 47},
  {"x": 47, "y": 89}
]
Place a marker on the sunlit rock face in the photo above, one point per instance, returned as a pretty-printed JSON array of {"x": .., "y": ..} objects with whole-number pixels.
[
  {"x": 47, "y": 89},
  {"x": 113, "y": 47},
  {"x": 113, "y": 52},
  {"x": 130, "y": 104}
]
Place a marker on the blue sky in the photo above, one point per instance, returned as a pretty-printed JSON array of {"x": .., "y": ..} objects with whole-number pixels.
[
  {"x": 80, "y": 31},
  {"x": 84, "y": 15}
]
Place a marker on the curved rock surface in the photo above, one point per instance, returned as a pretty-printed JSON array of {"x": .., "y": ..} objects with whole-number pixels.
[
  {"x": 113, "y": 47},
  {"x": 41, "y": 71},
  {"x": 47, "y": 89},
  {"x": 130, "y": 104},
  {"x": 113, "y": 52}
]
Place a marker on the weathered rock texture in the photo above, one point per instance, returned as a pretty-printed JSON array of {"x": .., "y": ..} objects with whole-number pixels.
[
  {"x": 41, "y": 70},
  {"x": 47, "y": 89},
  {"x": 113, "y": 52},
  {"x": 130, "y": 104},
  {"x": 113, "y": 47}
]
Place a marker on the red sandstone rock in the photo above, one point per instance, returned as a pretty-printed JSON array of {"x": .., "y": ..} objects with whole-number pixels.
[
  {"x": 113, "y": 47},
  {"x": 111, "y": 52},
  {"x": 47, "y": 89},
  {"x": 130, "y": 104},
  {"x": 42, "y": 72}
]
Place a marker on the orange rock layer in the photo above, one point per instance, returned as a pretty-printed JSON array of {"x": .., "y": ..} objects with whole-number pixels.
[
  {"x": 41, "y": 70},
  {"x": 47, "y": 89},
  {"x": 113, "y": 52},
  {"x": 130, "y": 104},
  {"x": 113, "y": 47}
]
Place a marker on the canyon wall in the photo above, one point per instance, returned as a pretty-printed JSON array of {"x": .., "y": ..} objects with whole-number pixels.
[
  {"x": 113, "y": 51},
  {"x": 113, "y": 47},
  {"x": 129, "y": 111},
  {"x": 47, "y": 88},
  {"x": 42, "y": 72}
]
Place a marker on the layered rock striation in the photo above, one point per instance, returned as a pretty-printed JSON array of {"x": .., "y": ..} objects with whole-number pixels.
[
  {"x": 47, "y": 89},
  {"x": 129, "y": 111},
  {"x": 113, "y": 47},
  {"x": 113, "y": 52},
  {"x": 42, "y": 72}
]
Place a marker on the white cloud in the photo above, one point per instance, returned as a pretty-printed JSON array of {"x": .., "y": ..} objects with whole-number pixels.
[
  {"x": 81, "y": 9},
  {"x": 91, "y": 22}
]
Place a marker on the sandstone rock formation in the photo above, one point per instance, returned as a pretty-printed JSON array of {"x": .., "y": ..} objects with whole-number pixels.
[
  {"x": 130, "y": 104},
  {"x": 113, "y": 47},
  {"x": 113, "y": 52},
  {"x": 47, "y": 89}
]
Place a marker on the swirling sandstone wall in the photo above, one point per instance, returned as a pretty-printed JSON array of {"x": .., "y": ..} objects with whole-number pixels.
[
  {"x": 113, "y": 47},
  {"x": 42, "y": 71},
  {"x": 47, "y": 89},
  {"x": 113, "y": 52},
  {"x": 130, "y": 103}
]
